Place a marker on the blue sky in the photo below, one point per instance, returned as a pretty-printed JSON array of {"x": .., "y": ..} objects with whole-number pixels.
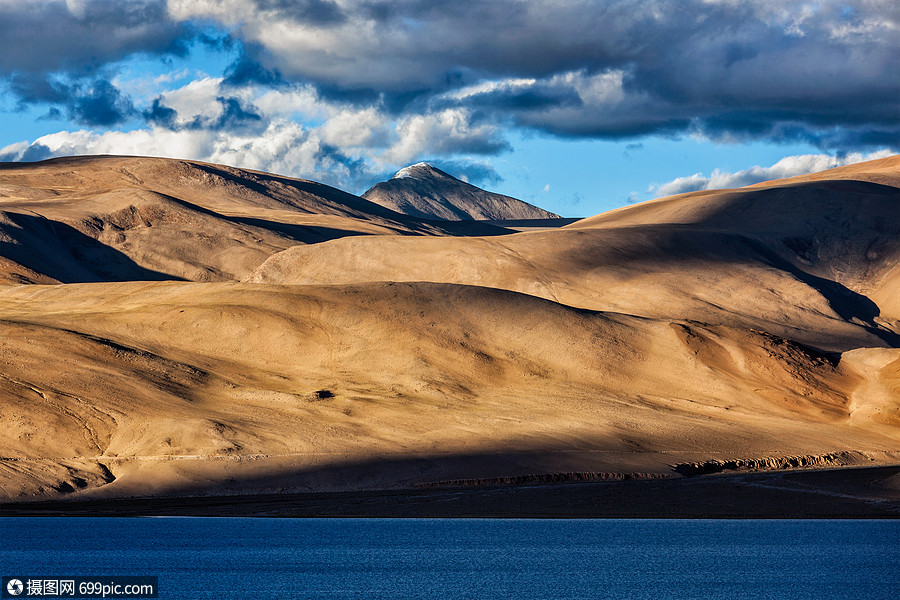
[{"x": 578, "y": 106}]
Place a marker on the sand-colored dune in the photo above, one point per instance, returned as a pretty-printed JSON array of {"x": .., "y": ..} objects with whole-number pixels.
[{"x": 683, "y": 331}]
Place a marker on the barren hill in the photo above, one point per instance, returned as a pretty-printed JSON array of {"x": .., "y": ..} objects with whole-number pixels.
[
  {"x": 110, "y": 218},
  {"x": 818, "y": 262},
  {"x": 424, "y": 191},
  {"x": 752, "y": 328}
]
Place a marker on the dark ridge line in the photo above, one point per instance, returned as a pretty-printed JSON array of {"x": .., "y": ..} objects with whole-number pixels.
[
  {"x": 572, "y": 477},
  {"x": 771, "y": 463}
]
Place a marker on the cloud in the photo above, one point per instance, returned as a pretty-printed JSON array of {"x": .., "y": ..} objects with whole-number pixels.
[
  {"x": 377, "y": 84},
  {"x": 755, "y": 69},
  {"x": 790, "y": 166},
  {"x": 320, "y": 12},
  {"x": 95, "y": 102},
  {"x": 44, "y": 36},
  {"x": 235, "y": 115},
  {"x": 248, "y": 68},
  {"x": 101, "y": 104},
  {"x": 474, "y": 172},
  {"x": 282, "y": 147},
  {"x": 162, "y": 115},
  {"x": 450, "y": 131}
]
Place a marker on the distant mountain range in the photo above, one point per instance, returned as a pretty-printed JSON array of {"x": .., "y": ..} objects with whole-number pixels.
[{"x": 426, "y": 192}]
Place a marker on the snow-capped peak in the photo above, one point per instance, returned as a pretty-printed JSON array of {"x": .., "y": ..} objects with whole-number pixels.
[{"x": 410, "y": 170}]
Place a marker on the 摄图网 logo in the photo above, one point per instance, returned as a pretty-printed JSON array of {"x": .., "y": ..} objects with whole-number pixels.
[{"x": 14, "y": 587}]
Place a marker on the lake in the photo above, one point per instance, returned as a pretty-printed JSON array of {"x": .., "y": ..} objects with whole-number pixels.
[{"x": 223, "y": 558}]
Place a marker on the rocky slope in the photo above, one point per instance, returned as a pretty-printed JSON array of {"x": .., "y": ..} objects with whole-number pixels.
[{"x": 426, "y": 192}]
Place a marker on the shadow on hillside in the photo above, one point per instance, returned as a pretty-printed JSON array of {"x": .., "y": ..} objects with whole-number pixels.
[
  {"x": 781, "y": 494},
  {"x": 62, "y": 252},
  {"x": 678, "y": 247}
]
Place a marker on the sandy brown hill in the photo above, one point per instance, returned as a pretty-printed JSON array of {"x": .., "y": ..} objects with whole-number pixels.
[
  {"x": 816, "y": 262},
  {"x": 172, "y": 387},
  {"x": 131, "y": 218},
  {"x": 842, "y": 225},
  {"x": 743, "y": 325},
  {"x": 424, "y": 191}
]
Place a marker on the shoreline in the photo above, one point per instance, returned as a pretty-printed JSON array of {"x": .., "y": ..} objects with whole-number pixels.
[{"x": 856, "y": 492}]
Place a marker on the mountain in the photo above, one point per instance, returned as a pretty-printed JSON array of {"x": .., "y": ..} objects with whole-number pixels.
[
  {"x": 426, "y": 192},
  {"x": 712, "y": 330},
  {"x": 119, "y": 218}
]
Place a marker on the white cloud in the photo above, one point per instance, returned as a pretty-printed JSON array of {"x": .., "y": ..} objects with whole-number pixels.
[
  {"x": 790, "y": 166},
  {"x": 13, "y": 151},
  {"x": 298, "y": 133},
  {"x": 284, "y": 147},
  {"x": 354, "y": 129},
  {"x": 196, "y": 99},
  {"x": 302, "y": 101},
  {"x": 448, "y": 131}
]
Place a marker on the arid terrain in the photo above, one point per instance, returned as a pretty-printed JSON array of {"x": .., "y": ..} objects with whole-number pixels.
[
  {"x": 422, "y": 190},
  {"x": 171, "y": 328}
]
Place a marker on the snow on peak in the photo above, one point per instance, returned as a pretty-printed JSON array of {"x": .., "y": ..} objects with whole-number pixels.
[{"x": 410, "y": 171}]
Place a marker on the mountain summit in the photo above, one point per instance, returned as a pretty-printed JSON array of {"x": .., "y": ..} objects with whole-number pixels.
[{"x": 425, "y": 191}]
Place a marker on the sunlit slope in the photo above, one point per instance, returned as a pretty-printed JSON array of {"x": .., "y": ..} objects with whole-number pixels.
[
  {"x": 815, "y": 262},
  {"x": 169, "y": 387},
  {"x": 131, "y": 218},
  {"x": 739, "y": 324}
]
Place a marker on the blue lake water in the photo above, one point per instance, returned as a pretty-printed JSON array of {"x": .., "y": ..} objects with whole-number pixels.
[{"x": 199, "y": 558}]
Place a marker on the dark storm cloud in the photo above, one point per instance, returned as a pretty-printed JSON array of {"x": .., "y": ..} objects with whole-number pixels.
[
  {"x": 46, "y": 36},
  {"x": 57, "y": 55},
  {"x": 687, "y": 65},
  {"x": 37, "y": 88},
  {"x": 487, "y": 145},
  {"x": 823, "y": 72},
  {"x": 235, "y": 115},
  {"x": 94, "y": 102},
  {"x": 36, "y": 152},
  {"x": 162, "y": 115},
  {"x": 102, "y": 104},
  {"x": 319, "y": 12},
  {"x": 250, "y": 68},
  {"x": 531, "y": 98}
]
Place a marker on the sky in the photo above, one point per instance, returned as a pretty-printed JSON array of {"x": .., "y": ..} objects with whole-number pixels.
[{"x": 578, "y": 106}]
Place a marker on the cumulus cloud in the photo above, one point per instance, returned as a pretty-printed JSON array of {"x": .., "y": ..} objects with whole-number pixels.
[
  {"x": 282, "y": 147},
  {"x": 383, "y": 83},
  {"x": 757, "y": 69},
  {"x": 790, "y": 166},
  {"x": 43, "y": 36},
  {"x": 450, "y": 131},
  {"x": 346, "y": 146},
  {"x": 89, "y": 102}
]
